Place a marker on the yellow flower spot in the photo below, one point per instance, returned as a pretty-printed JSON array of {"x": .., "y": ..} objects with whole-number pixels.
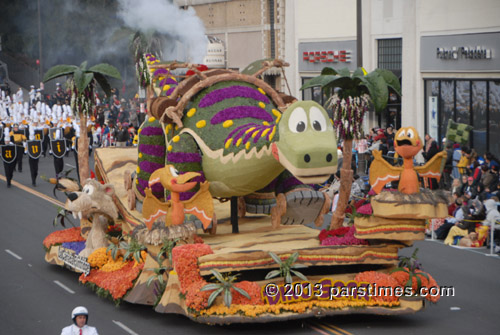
[
  {"x": 277, "y": 114},
  {"x": 238, "y": 142},
  {"x": 227, "y": 123},
  {"x": 168, "y": 128},
  {"x": 152, "y": 119},
  {"x": 247, "y": 146},
  {"x": 169, "y": 148},
  {"x": 228, "y": 143},
  {"x": 201, "y": 124},
  {"x": 255, "y": 133},
  {"x": 264, "y": 133},
  {"x": 191, "y": 112},
  {"x": 261, "y": 91},
  {"x": 166, "y": 87},
  {"x": 139, "y": 131},
  {"x": 137, "y": 181},
  {"x": 249, "y": 130},
  {"x": 265, "y": 123},
  {"x": 176, "y": 138},
  {"x": 176, "y": 127},
  {"x": 262, "y": 105},
  {"x": 140, "y": 154},
  {"x": 331, "y": 120},
  {"x": 138, "y": 169},
  {"x": 272, "y": 133},
  {"x": 173, "y": 272}
]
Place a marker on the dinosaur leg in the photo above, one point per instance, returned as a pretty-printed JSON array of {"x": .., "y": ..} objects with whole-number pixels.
[{"x": 304, "y": 205}]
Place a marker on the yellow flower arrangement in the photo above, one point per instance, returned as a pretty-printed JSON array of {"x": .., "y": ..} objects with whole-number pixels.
[
  {"x": 299, "y": 307},
  {"x": 113, "y": 265},
  {"x": 98, "y": 258}
]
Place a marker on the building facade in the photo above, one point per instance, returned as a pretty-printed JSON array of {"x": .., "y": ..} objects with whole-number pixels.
[{"x": 445, "y": 52}]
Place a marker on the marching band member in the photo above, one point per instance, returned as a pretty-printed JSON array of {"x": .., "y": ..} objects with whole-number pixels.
[
  {"x": 18, "y": 138},
  {"x": 9, "y": 167}
]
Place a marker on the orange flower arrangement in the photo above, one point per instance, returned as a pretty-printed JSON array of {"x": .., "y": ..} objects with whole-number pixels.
[
  {"x": 185, "y": 259},
  {"x": 254, "y": 291},
  {"x": 61, "y": 236},
  {"x": 380, "y": 280},
  {"x": 402, "y": 278},
  {"x": 117, "y": 283}
]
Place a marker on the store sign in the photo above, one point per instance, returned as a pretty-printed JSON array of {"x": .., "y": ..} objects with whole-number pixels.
[
  {"x": 478, "y": 52},
  {"x": 330, "y": 56},
  {"x": 314, "y": 56},
  {"x": 460, "y": 53}
]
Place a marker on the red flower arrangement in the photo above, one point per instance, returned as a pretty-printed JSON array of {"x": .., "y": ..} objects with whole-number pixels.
[
  {"x": 61, "y": 236},
  {"x": 340, "y": 236},
  {"x": 380, "y": 280},
  {"x": 117, "y": 283}
]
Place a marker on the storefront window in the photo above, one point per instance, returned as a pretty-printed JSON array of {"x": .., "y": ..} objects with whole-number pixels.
[
  {"x": 474, "y": 102},
  {"x": 447, "y": 104},
  {"x": 479, "y": 116},
  {"x": 494, "y": 118}
]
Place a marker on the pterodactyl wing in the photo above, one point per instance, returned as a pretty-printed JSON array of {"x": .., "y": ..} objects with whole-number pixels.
[
  {"x": 382, "y": 172},
  {"x": 201, "y": 205},
  {"x": 434, "y": 167}
]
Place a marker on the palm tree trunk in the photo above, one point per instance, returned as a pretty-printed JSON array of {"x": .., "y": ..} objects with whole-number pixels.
[
  {"x": 83, "y": 150},
  {"x": 346, "y": 174}
]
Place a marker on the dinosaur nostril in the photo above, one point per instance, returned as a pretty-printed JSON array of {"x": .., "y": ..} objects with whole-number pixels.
[
  {"x": 72, "y": 196},
  {"x": 307, "y": 158},
  {"x": 329, "y": 158}
]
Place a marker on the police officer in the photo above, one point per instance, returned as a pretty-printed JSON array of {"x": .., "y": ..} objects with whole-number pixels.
[
  {"x": 18, "y": 138},
  {"x": 80, "y": 317}
]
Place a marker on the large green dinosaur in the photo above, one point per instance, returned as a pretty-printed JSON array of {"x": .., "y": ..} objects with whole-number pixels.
[{"x": 242, "y": 140}]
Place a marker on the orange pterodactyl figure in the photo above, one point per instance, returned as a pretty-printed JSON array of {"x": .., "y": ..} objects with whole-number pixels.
[
  {"x": 200, "y": 204},
  {"x": 407, "y": 144}
]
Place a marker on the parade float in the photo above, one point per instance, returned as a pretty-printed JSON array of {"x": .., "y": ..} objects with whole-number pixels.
[{"x": 213, "y": 215}]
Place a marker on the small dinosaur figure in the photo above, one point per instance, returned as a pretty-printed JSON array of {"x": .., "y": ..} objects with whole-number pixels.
[
  {"x": 94, "y": 200},
  {"x": 407, "y": 144},
  {"x": 200, "y": 205}
]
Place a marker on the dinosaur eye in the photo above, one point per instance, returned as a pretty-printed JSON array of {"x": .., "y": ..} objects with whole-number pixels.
[
  {"x": 402, "y": 133},
  {"x": 410, "y": 133},
  {"x": 89, "y": 189},
  {"x": 174, "y": 172},
  {"x": 298, "y": 120},
  {"x": 317, "y": 118}
]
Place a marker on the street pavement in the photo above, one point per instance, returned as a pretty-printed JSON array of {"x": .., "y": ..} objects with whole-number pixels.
[{"x": 37, "y": 297}]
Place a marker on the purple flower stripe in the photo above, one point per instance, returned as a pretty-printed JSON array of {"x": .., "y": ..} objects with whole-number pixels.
[
  {"x": 245, "y": 126},
  {"x": 170, "y": 91},
  {"x": 151, "y": 131},
  {"x": 288, "y": 184},
  {"x": 150, "y": 167},
  {"x": 183, "y": 157},
  {"x": 159, "y": 71},
  {"x": 184, "y": 195},
  {"x": 156, "y": 189},
  {"x": 240, "y": 112},
  {"x": 152, "y": 150},
  {"x": 232, "y": 92},
  {"x": 75, "y": 246}
]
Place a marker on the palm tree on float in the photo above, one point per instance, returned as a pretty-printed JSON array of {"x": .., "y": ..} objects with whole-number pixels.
[
  {"x": 83, "y": 83},
  {"x": 350, "y": 96}
]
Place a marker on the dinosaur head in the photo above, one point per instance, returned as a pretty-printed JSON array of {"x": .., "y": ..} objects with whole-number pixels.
[
  {"x": 307, "y": 146},
  {"x": 170, "y": 179},
  {"x": 407, "y": 142}
]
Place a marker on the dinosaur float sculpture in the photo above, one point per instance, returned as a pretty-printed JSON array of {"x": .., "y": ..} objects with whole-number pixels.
[
  {"x": 407, "y": 144},
  {"x": 94, "y": 201},
  {"x": 241, "y": 136}
]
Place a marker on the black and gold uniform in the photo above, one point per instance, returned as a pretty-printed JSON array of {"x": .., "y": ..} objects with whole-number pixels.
[{"x": 18, "y": 138}]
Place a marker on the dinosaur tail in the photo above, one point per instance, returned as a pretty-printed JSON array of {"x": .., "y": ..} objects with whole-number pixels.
[{"x": 152, "y": 153}]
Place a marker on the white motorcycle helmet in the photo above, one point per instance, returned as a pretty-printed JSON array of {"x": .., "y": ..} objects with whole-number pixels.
[{"x": 80, "y": 310}]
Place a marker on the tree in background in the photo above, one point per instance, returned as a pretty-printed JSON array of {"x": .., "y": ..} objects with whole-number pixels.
[
  {"x": 349, "y": 97},
  {"x": 83, "y": 83}
]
